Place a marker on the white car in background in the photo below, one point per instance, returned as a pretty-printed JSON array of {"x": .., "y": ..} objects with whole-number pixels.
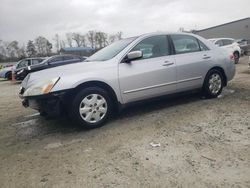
[{"x": 229, "y": 44}]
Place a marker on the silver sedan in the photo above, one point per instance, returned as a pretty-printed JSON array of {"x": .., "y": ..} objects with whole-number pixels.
[{"x": 129, "y": 70}]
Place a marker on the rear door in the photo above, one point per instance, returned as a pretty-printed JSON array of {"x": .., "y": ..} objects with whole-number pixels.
[
  {"x": 152, "y": 75},
  {"x": 193, "y": 59}
]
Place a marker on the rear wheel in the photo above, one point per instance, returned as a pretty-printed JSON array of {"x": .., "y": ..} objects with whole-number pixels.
[
  {"x": 213, "y": 84},
  {"x": 91, "y": 107},
  {"x": 236, "y": 57}
]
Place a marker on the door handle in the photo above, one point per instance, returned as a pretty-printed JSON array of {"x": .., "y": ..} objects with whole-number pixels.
[
  {"x": 167, "y": 63},
  {"x": 205, "y": 56}
]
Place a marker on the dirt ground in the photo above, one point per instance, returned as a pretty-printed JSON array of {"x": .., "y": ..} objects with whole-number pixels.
[{"x": 203, "y": 143}]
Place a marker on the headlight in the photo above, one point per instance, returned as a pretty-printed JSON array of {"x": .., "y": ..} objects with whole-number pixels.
[
  {"x": 41, "y": 88},
  {"x": 19, "y": 72}
]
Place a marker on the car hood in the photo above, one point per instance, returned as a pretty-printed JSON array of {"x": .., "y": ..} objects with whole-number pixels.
[{"x": 70, "y": 70}]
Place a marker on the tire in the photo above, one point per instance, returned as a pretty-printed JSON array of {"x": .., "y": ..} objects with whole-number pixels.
[
  {"x": 213, "y": 84},
  {"x": 8, "y": 76},
  {"x": 91, "y": 107},
  {"x": 236, "y": 57}
]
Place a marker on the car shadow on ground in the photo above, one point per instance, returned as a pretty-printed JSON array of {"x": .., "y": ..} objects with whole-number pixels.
[{"x": 37, "y": 127}]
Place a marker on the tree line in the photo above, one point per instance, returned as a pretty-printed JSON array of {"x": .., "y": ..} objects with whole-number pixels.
[{"x": 41, "y": 46}]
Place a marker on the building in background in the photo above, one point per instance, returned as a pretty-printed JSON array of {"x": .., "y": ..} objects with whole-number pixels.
[
  {"x": 81, "y": 51},
  {"x": 239, "y": 29}
]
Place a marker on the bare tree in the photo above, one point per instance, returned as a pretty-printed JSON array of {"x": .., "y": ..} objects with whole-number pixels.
[
  {"x": 101, "y": 39},
  {"x": 13, "y": 49},
  {"x": 62, "y": 43},
  {"x": 22, "y": 53},
  {"x": 57, "y": 42},
  {"x": 31, "y": 49},
  {"x": 43, "y": 46},
  {"x": 79, "y": 39},
  {"x": 3, "y": 51},
  {"x": 119, "y": 35},
  {"x": 69, "y": 39},
  {"x": 91, "y": 38},
  {"x": 112, "y": 38}
]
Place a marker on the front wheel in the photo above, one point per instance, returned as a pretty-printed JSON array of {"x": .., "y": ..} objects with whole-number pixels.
[
  {"x": 91, "y": 107},
  {"x": 9, "y": 76},
  {"x": 213, "y": 84}
]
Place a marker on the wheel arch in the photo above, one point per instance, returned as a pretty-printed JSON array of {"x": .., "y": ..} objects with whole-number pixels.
[
  {"x": 236, "y": 51},
  {"x": 222, "y": 72},
  {"x": 102, "y": 85},
  {"x": 8, "y": 73}
]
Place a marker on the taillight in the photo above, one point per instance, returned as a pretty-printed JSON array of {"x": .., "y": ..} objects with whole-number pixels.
[{"x": 231, "y": 57}]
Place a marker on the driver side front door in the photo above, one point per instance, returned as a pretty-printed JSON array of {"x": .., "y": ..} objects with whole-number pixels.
[{"x": 152, "y": 75}]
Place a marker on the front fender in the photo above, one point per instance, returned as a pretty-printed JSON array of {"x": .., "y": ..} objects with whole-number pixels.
[{"x": 72, "y": 81}]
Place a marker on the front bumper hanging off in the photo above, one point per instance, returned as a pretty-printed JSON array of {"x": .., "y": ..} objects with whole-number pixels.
[{"x": 53, "y": 104}]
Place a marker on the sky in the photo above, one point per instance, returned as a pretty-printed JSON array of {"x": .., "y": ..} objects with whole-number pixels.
[{"x": 23, "y": 20}]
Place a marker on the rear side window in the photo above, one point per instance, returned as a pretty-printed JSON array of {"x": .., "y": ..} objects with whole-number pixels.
[
  {"x": 56, "y": 59},
  {"x": 185, "y": 44},
  {"x": 227, "y": 42},
  {"x": 219, "y": 43},
  {"x": 155, "y": 46},
  {"x": 36, "y": 61},
  {"x": 68, "y": 57}
]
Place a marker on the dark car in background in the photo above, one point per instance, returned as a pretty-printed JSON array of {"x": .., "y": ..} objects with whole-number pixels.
[
  {"x": 53, "y": 61},
  {"x": 7, "y": 71}
]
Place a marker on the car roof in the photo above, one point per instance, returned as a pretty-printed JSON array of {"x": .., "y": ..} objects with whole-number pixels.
[
  {"x": 166, "y": 33},
  {"x": 221, "y": 39},
  {"x": 34, "y": 58}
]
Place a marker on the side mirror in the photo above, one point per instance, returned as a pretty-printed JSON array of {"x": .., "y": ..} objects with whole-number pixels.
[
  {"x": 29, "y": 68},
  {"x": 133, "y": 55}
]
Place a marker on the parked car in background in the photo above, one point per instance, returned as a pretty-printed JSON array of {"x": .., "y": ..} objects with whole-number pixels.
[
  {"x": 53, "y": 61},
  {"x": 9, "y": 70},
  {"x": 243, "y": 45},
  {"x": 24, "y": 63},
  {"x": 230, "y": 44},
  {"x": 127, "y": 71},
  {"x": 5, "y": 72}
]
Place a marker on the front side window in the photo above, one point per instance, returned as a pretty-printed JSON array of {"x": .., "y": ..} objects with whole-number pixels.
[
  {"x": 23, "y": 64},
  {"x": 155, "y": 46},
  {"x": 185, "y": 44}
]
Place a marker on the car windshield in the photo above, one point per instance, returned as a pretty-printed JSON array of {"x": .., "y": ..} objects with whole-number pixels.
[{"x": 111, "y": 51}]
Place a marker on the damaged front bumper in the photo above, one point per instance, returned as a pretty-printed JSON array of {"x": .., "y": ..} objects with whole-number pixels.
[{"x": 53, "y": 104}]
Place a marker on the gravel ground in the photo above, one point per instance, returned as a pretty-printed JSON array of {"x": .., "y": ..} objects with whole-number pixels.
[{"x": 203, "y": 143}]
